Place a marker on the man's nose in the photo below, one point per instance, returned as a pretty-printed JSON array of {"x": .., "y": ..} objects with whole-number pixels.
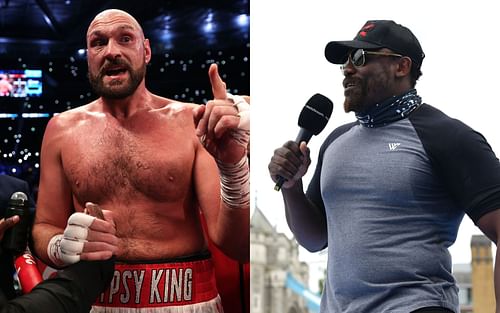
[
  {"x": 112, "y": 49},
  {"x": 347, "y": 68}
]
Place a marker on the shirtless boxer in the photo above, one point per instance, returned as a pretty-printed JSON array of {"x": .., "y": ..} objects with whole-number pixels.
[
  {"x": 153, "y": 162},
  {"x": 6, "y": 87}
]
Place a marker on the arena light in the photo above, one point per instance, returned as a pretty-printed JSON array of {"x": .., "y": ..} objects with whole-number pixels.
[
  {"x": 166, "y": 32},
  {"x": 8, "y": 115},
  {"x": 35, "y": 115},
  {"x": 242, "y": 20},
  {"x": 209, "y": 26}
]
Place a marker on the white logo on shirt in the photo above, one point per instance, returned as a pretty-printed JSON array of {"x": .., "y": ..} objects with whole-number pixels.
[{"x": 394, "y": 145}]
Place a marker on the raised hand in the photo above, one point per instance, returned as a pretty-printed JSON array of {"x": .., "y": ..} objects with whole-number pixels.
[{"x": 218, "y": 123}]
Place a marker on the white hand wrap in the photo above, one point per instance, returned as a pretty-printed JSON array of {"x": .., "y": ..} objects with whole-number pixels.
[
  {"x": 65, "y": 249},
  {"x": 242, "y": 133},
  {"x": 235, "y": 183},
  {"x": 243, "y": 111}
]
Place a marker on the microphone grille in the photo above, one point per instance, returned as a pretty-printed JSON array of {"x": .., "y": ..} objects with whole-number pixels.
[
  {"x": 19, "y": 196},
  {"x": 316, "y": 113}
]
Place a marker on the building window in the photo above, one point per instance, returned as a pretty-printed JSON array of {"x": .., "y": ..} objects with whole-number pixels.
[{"x": 465, "y": 296}]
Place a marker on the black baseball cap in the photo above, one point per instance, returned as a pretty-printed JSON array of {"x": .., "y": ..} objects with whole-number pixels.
[{"x": 378, "y": 34}]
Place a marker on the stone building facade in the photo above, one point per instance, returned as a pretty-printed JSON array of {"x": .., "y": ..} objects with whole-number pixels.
[{"x": 273, "y": 258}]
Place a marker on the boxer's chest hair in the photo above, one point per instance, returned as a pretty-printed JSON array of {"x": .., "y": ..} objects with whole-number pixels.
[{"x": 119, "y": 163}]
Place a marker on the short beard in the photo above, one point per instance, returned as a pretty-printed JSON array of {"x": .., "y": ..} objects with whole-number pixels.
[
  {"x": 368, "y": 93},
  {"x": 354, "y": 100},
  {"x": 127, "y": 88}
]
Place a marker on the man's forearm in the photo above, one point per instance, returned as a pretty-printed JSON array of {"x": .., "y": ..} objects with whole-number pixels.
[
  {"x": 42, "y": 233},
  {"x": 305, "y": 220},
  {"x": 497, "y": 279},
  {"x": 233, "y": 222},
  {"x": 234, "y": 233}
]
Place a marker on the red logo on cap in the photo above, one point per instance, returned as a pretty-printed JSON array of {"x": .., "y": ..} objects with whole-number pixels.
[{"x": 366, "y": 28}]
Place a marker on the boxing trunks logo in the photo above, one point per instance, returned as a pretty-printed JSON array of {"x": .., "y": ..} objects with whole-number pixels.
[{"x": 160, "y": 285}]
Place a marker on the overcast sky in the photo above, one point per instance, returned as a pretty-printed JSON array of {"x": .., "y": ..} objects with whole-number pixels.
[{"x": 460, "y": 77}]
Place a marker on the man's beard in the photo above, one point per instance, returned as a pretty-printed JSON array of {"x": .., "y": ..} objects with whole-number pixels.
[
  {"x": 355, "y": 97},
  {"x": 366, "y": 93},
  {"x": 117, "y": 89}
]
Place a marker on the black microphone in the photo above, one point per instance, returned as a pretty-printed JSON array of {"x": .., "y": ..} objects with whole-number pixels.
[
  {"x": 312, "y": 120},
  {"x": 16, "y": 237}
]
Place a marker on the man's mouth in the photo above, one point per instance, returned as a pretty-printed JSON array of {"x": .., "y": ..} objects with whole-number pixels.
[
  {"x": 114, "y": 71},
  {"x": 349, "y": 85}
]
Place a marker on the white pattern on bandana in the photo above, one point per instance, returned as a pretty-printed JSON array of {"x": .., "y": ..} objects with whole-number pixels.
[{"x": 390, "y": 110}]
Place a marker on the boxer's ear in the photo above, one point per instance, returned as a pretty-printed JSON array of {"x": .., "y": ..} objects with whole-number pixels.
[{"x": 147, "y": 51}]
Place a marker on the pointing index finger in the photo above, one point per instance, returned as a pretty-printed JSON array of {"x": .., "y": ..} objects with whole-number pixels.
[{"x": 218, "y": 85}]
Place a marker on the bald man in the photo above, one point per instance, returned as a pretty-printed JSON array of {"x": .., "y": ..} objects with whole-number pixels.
[{"x": 154, "y": 162}]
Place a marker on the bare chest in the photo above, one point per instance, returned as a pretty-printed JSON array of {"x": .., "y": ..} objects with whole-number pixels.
[{"x": 107, "y": 162}]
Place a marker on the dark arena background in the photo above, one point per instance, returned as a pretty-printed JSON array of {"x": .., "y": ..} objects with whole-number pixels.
[{"x": 43, "y": 56}]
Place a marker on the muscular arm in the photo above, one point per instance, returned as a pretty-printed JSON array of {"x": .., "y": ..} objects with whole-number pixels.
[
  {"x": 54, "y": 196},
  {"x": 226, "y": 140},
  {"x": 228, "y": 228},
  {"x": 305, "y": 220},
  {"x": 490, "y": 225}
]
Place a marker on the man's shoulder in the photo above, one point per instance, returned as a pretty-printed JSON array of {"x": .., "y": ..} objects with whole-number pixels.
[
  {"x": 61, "y": 123},
  {"x": 9, "y": 185},
  {"x": 165, "y": 105},
  {"x": 443, "y": 136},
  {"x": 162, "y": 102},
  {"x": 340, "y": 130},
  {"x": 181, "y": 106},
  {"x": 10, "y": 180},
  {"x": 432, "y": 114},
  {"x": 77, "y": 113},
  {"x": 431, "y": 120}
]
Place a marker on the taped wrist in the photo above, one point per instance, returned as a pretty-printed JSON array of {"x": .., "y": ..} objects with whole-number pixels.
[
  {"x": 235, "y": 183},
  {"x": 65, "y": 249}
]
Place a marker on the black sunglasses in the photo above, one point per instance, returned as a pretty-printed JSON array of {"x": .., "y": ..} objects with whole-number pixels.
[{"x": 358, "y": 57}]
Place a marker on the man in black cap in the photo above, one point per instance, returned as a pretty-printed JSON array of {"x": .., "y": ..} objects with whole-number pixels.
[{"x": 389, "y": 190}]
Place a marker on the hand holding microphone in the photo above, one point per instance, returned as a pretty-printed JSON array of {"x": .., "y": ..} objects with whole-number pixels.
[
  {"x": 7, "y": 223},
  {"x": 289, "y": 163},
  {"x": 16, "y": 226},
  {"x": 291, "y": 160},
  {"x": 16, "y": 234}
]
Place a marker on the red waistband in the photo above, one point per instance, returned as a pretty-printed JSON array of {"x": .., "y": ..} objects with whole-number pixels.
[{"x": 160, "y": 285}]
